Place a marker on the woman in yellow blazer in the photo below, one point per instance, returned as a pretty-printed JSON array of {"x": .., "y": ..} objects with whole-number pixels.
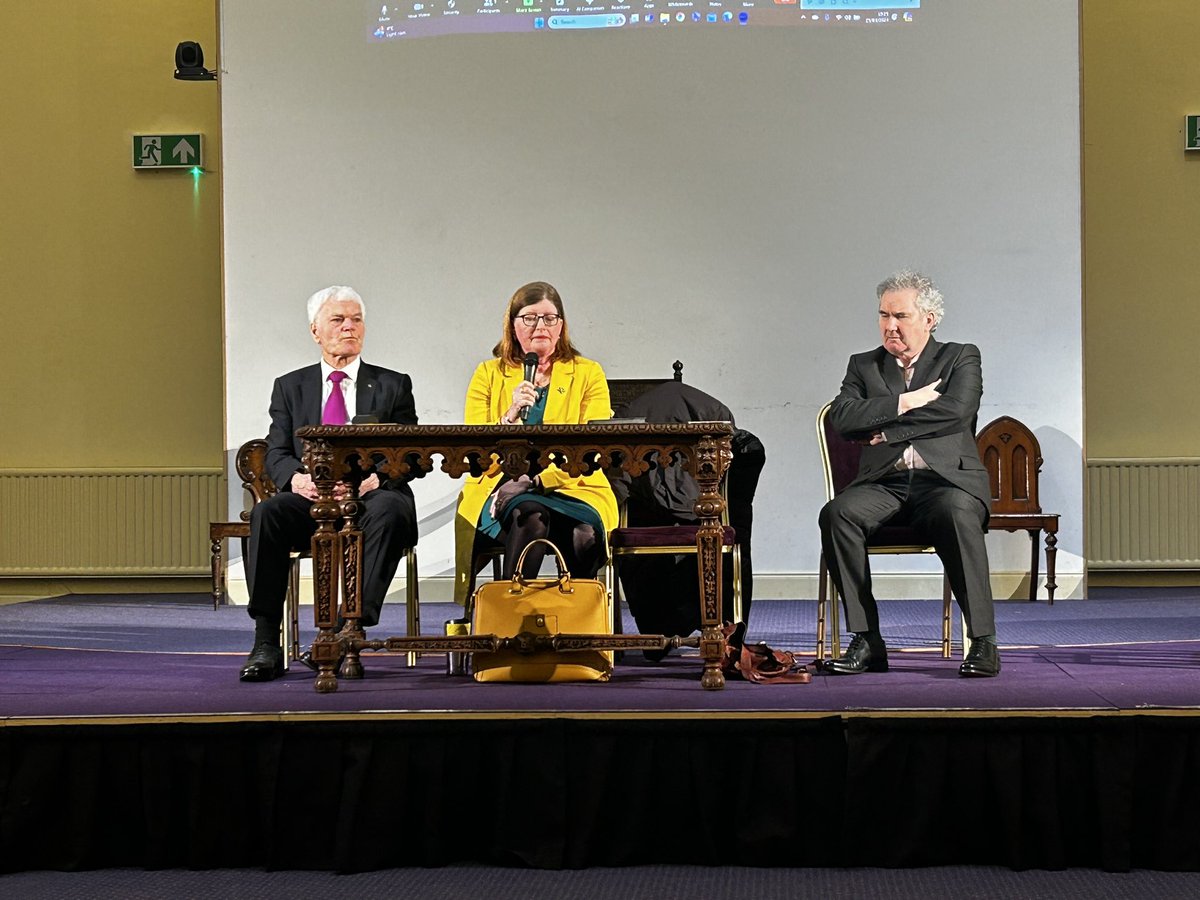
[{"x": 567, "y": 389}]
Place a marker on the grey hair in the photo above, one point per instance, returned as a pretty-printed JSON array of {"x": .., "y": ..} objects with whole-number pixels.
[
  {"x": 333, "y": 293},
  {"x": 929, "y": 298}
]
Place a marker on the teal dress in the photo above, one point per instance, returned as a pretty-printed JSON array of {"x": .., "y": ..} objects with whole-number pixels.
[{"x": 573, "y": 509}]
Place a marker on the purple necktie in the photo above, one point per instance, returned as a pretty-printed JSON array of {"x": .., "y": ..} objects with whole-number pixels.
[{"x": 335, "y": 407}]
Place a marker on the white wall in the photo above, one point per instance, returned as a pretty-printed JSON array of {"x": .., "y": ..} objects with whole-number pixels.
[{"x": 728, "y": 197}]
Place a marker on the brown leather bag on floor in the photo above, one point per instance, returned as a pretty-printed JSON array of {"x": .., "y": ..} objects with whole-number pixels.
[{"x": 759, "y": 664}]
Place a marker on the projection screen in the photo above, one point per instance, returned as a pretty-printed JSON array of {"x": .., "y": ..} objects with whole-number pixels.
[{"x": 728, "y": 197}]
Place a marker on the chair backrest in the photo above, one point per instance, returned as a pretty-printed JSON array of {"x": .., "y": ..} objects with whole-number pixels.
[
  {"x": 251, "y": 465},
  {"x": 666, "y": 496},
  {"x": 1013, "y": 459},
  {"x": 623, "y": 391},
  {"x": 839, "y": 457}
]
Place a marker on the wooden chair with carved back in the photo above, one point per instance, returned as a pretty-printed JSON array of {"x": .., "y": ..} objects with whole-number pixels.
[
  {"x": 623, "y": 391},
  {"x": 662, "y": 540},
  {"x": 250, "y": 464},
  {"x": 1013, "y": 459}
]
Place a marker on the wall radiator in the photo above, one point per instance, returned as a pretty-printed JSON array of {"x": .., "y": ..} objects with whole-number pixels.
[
  {"x": 1143, "y": 513},
  {"x": 96, "y": 522}
]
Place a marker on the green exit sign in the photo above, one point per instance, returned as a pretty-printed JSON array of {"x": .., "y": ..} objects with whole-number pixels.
[
  {"x": 1192, "y": 139},
  {"x": 168, "y": 151}
]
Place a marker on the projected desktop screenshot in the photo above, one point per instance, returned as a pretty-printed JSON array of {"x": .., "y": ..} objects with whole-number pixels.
[{"x": 430, "y": 18}]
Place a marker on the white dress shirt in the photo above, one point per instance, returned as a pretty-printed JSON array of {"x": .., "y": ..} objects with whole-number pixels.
[{"x": 911, "y": 459}]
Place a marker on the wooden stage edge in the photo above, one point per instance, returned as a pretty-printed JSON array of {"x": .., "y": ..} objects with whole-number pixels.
[{"x": 308, "y": 718}]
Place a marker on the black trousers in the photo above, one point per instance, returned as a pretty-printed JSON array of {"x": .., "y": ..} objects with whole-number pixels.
[
  {"x": 947, "y": 517},
  {"x": 283, "y": 523}
]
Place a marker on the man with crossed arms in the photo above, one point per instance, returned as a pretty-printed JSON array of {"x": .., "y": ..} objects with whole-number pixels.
[{"x": 912, "y": 403}]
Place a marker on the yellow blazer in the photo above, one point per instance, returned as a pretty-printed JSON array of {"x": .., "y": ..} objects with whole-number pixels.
[{"x": 578, "y": 394}]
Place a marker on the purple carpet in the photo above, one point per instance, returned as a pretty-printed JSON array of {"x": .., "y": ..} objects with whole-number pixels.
[{"x": 174, "y": 655}]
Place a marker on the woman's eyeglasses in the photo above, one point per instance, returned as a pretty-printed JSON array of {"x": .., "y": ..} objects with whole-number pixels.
[{"x": 531, "y": 320}]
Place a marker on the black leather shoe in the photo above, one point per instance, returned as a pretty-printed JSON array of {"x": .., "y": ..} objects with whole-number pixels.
[
  {"x": 264, "y": 663},
  {"x": 982, "y": 660},
  {"x": 860, "y": 657}
]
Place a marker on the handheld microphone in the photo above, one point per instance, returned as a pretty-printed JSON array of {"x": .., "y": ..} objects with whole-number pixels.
[{"x": 531, "y": 361}]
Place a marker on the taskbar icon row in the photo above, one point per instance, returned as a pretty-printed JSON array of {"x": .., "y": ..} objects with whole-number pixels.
[{"x": 618, "y": 20}]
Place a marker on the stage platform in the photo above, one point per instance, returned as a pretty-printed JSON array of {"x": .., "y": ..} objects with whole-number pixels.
[
  {"x": 173, "y": 655},
  {"x": 127, "y": 712}
]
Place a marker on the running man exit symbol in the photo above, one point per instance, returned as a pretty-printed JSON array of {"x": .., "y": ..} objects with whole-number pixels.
[
  {"x": 1192, "y": 133},
  {"x": 168, "y": 151}
]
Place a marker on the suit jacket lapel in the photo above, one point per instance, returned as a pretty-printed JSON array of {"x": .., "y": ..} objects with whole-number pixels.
[
  {"x": 310, "y": 396},
  {"x": 562, "y": 377},
  {"x": 893, "y": 377},
  {"x": 365, "y": 395},
  {"x": 925, "y": 365}
]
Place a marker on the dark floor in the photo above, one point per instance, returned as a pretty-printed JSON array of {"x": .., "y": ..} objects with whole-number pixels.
[{"x": 640, "y": 883}]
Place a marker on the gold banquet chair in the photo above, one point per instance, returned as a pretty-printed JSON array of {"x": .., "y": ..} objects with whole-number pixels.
[
  {"x": 250, "y": 464},
  {"x": 839, "y": 460}
]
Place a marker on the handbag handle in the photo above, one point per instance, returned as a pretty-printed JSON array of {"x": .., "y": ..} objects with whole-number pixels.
[{"x": 564, "y": 576}]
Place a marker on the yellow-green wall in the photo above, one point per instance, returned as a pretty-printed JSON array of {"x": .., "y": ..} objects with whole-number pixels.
[
  {"x": 113, "y": 337},
  {"x": 1141, "y": 234},
  {"x": 114, "y": 342}
]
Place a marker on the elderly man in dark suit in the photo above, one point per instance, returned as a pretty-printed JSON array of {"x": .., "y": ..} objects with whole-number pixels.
[
  {"x": 331, "y": 392},
  {"x": 912, "y": 403}
]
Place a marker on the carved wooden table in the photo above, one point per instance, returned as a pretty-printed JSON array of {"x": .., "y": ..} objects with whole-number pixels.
[{"x": 337, "y": 453}]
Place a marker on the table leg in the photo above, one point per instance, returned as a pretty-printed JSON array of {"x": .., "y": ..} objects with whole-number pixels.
[
  {"x": 712, "y": 456},
  {"x": 352, "y": 544},
  {"x": 326, "y": 557}
]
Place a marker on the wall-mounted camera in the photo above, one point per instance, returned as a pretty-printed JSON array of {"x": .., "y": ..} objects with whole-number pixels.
[{"x": 189, "y": 63}]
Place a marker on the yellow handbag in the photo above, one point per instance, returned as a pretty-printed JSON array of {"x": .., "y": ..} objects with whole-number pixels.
[{"x": 542, "y": 607}]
